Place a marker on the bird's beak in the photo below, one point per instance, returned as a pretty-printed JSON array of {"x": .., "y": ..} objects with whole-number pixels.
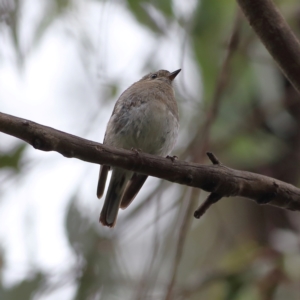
[{"x": 174, "y": 74}]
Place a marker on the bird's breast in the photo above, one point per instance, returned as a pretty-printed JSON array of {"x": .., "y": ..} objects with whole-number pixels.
[{"x": 150, "y": 126}]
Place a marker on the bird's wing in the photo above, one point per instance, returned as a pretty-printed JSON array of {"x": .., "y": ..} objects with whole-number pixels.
[
  {"x": 132, "y": 188},
  {"x": 102, "y": 180},
  {"x": 117, "y": 185}
]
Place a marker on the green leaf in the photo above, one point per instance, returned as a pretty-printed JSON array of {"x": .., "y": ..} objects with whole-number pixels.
[
  {"x": 24, "y": 290},
  {"x": 12, "y": 160},
  {"x": 138, "y": 8}
]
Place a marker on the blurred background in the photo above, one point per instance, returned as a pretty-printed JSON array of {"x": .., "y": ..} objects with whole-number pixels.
[{"x": 63, "y": 63}]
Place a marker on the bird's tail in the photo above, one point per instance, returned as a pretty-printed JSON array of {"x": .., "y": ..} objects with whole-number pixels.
[
  {"x": 133, "y": 187},
  {"x": 118, "y": 182}
]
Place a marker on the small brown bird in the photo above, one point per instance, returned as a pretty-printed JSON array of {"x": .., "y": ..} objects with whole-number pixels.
[{"x": 145, "y": 117}]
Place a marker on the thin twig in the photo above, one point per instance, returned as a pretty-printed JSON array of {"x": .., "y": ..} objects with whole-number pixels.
[
  {"x": 201, "y": 144},
  {"x": 211, "y": 199},
  {"x": 213, "y": 158},
  {"x": 183, "y": 229}
]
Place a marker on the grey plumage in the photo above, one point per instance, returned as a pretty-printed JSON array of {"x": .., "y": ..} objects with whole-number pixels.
[
  {"x": 133, "y": 187},
  {"x": 144, "y": 117}
]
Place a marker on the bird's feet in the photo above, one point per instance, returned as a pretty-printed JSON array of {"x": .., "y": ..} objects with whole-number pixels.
[
  {"x": 136, "y": 151},
  {"x": 172, "y": 158}
]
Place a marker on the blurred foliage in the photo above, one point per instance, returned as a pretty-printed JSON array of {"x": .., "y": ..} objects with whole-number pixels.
[
  {"x": 24, "y": 290},
  {"x": 237, "y": 251},
  {"x": 139, "y": 9},
  {"x": 95, "y": 256},
  {"x": 53, "y": 11},
  {"x": 12, "y": 160},
  {"x": 207, "y": 44}
]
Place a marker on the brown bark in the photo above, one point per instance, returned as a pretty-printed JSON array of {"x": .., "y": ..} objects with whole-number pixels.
[
  {"x": 276, "y": 35},
  {"x": 215, "y": 178}
]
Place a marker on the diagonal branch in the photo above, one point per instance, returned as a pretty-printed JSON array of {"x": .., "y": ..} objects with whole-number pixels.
[
  {"x": 276, "y": 35},
  {"x": 216, "y": 178}
]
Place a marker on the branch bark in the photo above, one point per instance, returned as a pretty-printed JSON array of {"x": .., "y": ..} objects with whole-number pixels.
[
  {"x": 276, "y": 35},
  {"x": 216, "y": 178}
]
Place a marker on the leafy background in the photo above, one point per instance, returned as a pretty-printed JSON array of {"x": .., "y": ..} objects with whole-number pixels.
[{"x": 63, "y": 63}]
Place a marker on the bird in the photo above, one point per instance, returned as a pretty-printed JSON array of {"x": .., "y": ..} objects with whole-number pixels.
[{"x": 145, "y": 118}]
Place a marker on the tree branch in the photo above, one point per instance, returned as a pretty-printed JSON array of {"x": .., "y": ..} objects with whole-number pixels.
[
  {"x": 276, "y": 35},
  {"x": 216, "y": 178}
]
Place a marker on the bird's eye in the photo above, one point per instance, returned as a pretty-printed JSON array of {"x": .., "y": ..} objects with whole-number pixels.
[{"x": 153, "y": 76}]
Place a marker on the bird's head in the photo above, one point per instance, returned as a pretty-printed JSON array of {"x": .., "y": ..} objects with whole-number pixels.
[{"x": 161, "y": 75}]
